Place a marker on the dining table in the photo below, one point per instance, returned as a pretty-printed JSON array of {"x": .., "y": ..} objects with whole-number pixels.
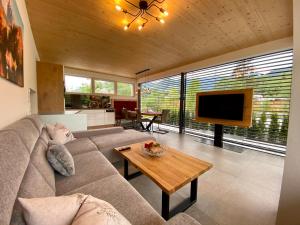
[{"x": 154, "y": 116}]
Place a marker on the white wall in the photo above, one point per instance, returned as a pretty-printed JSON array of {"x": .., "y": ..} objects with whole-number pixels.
[
  {"x": 289, "y": 204},
  {"x": 104, "y": 76},
  {"x": 15, "y": 101},
  {"x": 265, "y": 48}
]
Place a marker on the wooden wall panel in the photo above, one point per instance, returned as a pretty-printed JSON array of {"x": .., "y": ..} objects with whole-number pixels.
[{"x": 50, "y": 82}]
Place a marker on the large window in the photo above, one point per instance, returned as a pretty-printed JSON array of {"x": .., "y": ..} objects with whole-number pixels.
[
  {"x": 125, "y": 89},
  {"x": 269, "y": 75},
  {"x": 163, "y": 94},
  {"x": 104, "y": 87},
  {"x": 74, "y": 84},
  {"x": 86, "y": 85}
]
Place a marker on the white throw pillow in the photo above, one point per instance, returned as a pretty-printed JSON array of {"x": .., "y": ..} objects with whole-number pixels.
[
  {"x": 97, "y": 212},
  {"x": 59, "y": 133},
  {"x": 77, "y": 209},
  {"x": 51, "y": 210}
]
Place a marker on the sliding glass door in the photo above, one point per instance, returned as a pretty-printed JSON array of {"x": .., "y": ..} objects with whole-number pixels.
[
  {"x": 163, "y": 94},
  {"x": 269, "y": 75}
]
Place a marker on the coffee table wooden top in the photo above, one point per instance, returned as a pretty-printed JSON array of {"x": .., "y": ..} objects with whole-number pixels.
[{"x": 171, "y": 171}]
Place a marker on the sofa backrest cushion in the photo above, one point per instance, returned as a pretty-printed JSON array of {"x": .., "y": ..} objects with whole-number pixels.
[
  {"x": 36, "y": 121},
  {"x": 27, "y": 131},
  {"x": 25, "y": 171},
  {"x": 14, "y": 159}
]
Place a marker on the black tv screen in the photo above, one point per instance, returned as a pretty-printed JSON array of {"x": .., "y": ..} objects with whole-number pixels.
[{"x": 224, "y": 106}]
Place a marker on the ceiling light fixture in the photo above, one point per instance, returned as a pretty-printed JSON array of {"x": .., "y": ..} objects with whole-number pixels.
[{"x": 143, "y": 12}]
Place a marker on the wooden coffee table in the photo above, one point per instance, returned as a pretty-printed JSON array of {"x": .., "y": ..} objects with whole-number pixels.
[{"x": 170, "y": 172}]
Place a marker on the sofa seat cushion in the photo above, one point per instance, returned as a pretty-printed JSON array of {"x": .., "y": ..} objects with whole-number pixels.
[
  {"x": 90, "y": 167},
  {"x": 81, "y": 145},
  {"x": 106, "y": 143},
  {"x": 120, "y": 194}
]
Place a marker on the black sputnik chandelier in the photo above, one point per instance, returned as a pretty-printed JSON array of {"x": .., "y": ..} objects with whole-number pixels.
[{"x": 144, "y": 12}]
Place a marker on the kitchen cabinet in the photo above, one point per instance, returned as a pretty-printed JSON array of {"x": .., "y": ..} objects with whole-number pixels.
[{"x": 99, "y": 117}]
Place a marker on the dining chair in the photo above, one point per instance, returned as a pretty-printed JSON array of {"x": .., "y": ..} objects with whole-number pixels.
[
  {"x": 140, "y": 120},
  {"x": 162, "y": 119},
  {"x": 128, "y": 122}
]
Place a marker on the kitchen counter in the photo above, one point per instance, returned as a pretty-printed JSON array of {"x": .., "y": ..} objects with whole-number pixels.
[{"x": 95, "y": 117}]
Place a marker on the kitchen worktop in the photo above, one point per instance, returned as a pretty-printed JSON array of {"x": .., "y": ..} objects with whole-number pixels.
[{"x": 75, "y": 111}]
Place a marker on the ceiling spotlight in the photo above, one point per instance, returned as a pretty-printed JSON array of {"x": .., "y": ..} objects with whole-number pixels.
[
  {"x": 165, "y": 12},
  {"x": 126, "y": 27},
  {"x": 141, "y": 27},
  {"x": 118, "y": 8},
  {"x": 160, "y": 20}
]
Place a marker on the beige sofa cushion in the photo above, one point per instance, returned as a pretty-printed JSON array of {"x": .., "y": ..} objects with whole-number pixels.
[
  {"x": 80, "y": 146},
  {"x": 110, "y": 141},
  {"x": 27, "y": 131},
  {"x": 36, "y": 121},
  {"x": 121, "y": 195},
  {"x": 106, "y": 143},
  {"x": 98, "y": 212},
  {"x": 90, "y": 167},
  {"x": 39, "y": 160},
  {"x": 33, "y": 185},
  {"x": 52, "y": 210}
]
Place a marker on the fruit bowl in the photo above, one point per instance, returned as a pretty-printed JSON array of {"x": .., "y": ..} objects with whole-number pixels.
[{"x": 153, "y": 149}]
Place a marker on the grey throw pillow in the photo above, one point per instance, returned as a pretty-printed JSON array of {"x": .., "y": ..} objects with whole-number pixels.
[{"x": 61, "y": 159}]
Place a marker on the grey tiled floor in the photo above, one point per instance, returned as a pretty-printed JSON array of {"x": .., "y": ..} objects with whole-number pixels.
[{"x": 241, "y": 189}]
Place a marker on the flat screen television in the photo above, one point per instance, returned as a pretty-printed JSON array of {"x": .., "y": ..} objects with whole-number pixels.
[{"x": 230, "y": 107}]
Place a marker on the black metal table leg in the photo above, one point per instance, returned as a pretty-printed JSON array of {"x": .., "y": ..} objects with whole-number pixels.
[
  {"x": 142, "y": 125},
  {"x": 194, "y": 190},
  {"x": 165, "y": 208},
  {"x": 128, "y": 176},
  {"x": 187, "y": 203},
  {"x": 150, "y": 123},
  {"x": 126, "y": 169}
]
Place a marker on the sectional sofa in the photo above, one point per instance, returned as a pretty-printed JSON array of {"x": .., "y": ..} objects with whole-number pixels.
[{"x": 25, "y": 172}]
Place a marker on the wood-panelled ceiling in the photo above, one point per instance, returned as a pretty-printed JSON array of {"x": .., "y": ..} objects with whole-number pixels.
[{"x": 89, "y": 34}]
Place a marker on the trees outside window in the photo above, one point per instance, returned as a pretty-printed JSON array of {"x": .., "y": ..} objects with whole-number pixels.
[
  {"x": 125, "y": 89},
  {"x": 104, "y": 87}
]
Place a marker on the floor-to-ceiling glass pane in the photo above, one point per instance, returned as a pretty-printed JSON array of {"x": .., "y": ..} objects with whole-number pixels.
[
  {"x": 270, "y": 77},
  {"x": 162, "y": 94}
]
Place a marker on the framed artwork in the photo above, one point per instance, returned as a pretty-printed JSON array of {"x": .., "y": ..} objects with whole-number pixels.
[{"x": 11, "y": 43}]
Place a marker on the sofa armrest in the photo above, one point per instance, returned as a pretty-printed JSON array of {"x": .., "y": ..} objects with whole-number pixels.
[
  {"x": 182, "y": 219},
  {"x": 97, "y": 132}
]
